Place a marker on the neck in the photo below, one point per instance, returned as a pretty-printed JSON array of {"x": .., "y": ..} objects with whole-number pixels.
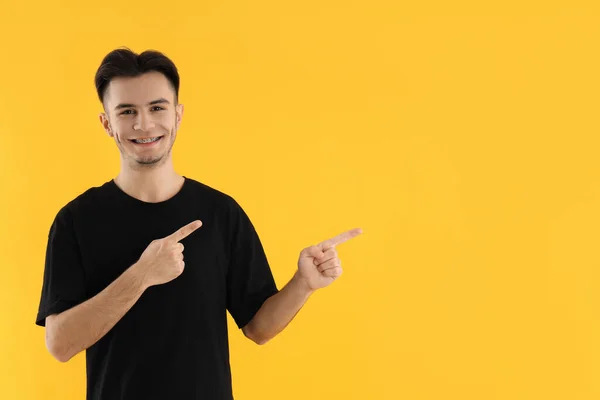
[{"x": 152, "y": 184}]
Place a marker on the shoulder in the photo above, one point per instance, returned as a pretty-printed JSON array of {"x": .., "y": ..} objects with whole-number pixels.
[
  {"x": 216, "y": 198},
  {"x": 85, "y": 201},
  {"x": 225, "y": 207},
  {"x": 88, "y": 199}
]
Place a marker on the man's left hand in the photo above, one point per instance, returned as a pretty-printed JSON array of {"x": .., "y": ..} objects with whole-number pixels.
[{"x": 319, "y": 265}]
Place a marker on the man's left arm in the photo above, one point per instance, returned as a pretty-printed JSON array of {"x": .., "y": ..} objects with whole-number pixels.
[{"x": 318, "y": 267}]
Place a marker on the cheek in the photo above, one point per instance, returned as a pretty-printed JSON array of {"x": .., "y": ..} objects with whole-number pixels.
[
  {"x": 169, "y": 123},
  {"x": 120, "y": 129},
  {"x": 118, "y": 135}
]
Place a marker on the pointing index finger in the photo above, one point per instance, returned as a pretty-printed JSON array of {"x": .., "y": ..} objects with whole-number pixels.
[
  {"x": 185, "y": 231},
  {"x": 341, "y": 238}
]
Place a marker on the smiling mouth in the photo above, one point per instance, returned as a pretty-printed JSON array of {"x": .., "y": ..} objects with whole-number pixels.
[{"x": 149, "y": 140}]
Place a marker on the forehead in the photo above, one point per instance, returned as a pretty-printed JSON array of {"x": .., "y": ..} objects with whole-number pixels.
[{"x": 139, "y": 90}]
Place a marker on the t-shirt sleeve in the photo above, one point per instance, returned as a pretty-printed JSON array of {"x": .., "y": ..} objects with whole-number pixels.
[
  {"x": 63, "y": 284},
  {"x": 250, "y": 281}
]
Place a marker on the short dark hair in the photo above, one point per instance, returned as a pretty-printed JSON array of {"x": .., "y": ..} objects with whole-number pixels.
[{"x": 124, "y": 62}]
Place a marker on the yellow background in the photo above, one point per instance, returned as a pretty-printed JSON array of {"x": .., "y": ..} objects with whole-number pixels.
[{"x": 463, "y": 138}]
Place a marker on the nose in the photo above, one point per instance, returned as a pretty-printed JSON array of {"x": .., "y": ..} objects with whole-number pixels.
[{"x": 143, "y": 122}]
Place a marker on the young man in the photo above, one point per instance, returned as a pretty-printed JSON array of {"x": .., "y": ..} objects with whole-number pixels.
[{"x": 116, "y": 283}]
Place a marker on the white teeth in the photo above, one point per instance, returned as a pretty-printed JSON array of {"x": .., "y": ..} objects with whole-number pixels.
[{"x": 146, "y": 140}]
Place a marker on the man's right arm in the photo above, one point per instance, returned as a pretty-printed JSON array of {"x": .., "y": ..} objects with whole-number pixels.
[{"x": 78, "y": 328}]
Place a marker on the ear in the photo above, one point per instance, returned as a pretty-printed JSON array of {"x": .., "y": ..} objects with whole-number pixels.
[
  {"x": 106, "y": 124},
  {"x": 178, "y": 115}
]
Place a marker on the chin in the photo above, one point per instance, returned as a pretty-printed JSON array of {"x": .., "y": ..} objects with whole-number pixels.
[{"x": 151, "y": 161}]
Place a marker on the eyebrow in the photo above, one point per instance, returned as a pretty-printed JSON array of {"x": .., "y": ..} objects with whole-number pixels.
[{"x": 153, "y": 102}]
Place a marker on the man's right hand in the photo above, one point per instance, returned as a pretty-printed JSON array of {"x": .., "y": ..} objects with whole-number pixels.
[{"x": 162, "y": 261}]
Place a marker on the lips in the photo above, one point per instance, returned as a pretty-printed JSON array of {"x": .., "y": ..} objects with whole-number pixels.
[{"x": 145, "y": 141}]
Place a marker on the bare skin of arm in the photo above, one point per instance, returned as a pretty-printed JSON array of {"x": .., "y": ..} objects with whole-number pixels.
[
  {"x": 79, "y": 327},
  {"x": 318, "y": 267}
]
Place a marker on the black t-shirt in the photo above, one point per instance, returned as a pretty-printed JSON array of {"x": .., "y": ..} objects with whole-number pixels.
[{"x": 172, "y": 344}]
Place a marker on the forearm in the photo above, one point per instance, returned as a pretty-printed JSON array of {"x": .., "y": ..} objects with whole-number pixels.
[
  {"x": 278, "y": 311},
  {"x": 78, "y": 328}
]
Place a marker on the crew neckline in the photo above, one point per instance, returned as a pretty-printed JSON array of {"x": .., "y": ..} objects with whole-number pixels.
[{"x": 134, "y": 200}]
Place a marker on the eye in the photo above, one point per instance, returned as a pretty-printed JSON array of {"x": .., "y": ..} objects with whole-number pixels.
[
  {"x": 127, "y": 112},
  {"x": 157, "y": 108}
]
